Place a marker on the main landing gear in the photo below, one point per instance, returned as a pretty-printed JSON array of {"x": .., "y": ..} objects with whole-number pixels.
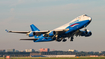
[
  {"x": 71, "y": 38},
  {"x": 63, "y": 40}
]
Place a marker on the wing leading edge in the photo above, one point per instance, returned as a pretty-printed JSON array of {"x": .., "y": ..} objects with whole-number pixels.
[{"x": 22, "y": 32}]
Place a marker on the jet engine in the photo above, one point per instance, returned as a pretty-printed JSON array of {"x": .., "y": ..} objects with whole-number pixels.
[
  {"x": 30, "y": 34},
  {"x": 86, "y": 33},
  {"x": 34, "y": 33},
  {"x": 51, "y": 33}
]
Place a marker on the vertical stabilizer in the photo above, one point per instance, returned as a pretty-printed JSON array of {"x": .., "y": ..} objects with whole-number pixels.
[{"x": 34, "y": 28}]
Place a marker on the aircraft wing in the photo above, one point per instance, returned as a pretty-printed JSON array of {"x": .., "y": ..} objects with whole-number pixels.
[
  {"x": 29, "y": 39},
  {"x": 60, "y": 31},
  {"x": 38, "y": 33},
  {"x": 41, "y": 32},
  {"x": 46, "y": 31},
  {"x": 22, "y": 32}
]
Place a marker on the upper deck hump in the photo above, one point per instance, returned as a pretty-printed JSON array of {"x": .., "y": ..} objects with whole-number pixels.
[{"x": 79, "y": 18}]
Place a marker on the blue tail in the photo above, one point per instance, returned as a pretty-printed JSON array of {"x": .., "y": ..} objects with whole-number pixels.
[{"x": 34, "y": 28}]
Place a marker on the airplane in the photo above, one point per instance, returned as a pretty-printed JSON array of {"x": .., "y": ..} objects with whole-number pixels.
[{"x": 69, "y": 30}]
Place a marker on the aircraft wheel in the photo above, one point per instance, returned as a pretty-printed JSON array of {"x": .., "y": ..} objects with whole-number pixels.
[
  {"x": 64, "y": 40},
  {"x": 71, "y": 39},
  {"x": 58, "y": 40}
]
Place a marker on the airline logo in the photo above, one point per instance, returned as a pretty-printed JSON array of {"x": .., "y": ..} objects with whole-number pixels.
[{"x": 74, "y": 25}]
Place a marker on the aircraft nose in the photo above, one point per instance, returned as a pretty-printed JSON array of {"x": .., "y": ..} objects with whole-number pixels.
[{"x": 90, "y": 18}]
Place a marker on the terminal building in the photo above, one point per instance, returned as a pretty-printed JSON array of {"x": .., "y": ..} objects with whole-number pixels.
[
  {"x": 10, "y": 50},
  {"x": 72, "y": 50},
  {"x": 2, "y": 50},
  {"x": 29, "y": 50},
  {"x": 44, "y": 49}
]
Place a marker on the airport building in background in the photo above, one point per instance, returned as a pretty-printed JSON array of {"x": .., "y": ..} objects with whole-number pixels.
[
  {"x": 16, "y": 50},
  {"x": 2, "y": 50},
  {"x": 44, "y": 49},
  {"x": 72, "y": 50},
  {"x": 29, "y": 50},
  {"x": 10, "y": 50},
  {"x": 22, "y": 51}
]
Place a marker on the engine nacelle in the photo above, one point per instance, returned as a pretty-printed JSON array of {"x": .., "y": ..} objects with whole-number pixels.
[
  {"x": 51, "y": 33},
  {"x": 34, "y": 33},
  {"x": 30, "y": 34},
  {"x": 86, "y": 33}
]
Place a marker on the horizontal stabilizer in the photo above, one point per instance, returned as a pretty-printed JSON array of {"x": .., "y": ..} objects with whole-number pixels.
[
  {"x": 6, "y": 30},
  {"x": 29, "y": 39}
]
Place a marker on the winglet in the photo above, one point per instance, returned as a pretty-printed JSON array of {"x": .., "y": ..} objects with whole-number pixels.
[{"x": 6, "y": 30}]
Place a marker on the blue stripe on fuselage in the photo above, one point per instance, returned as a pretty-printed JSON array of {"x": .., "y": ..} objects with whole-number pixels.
[{"x": 80, "y": 25}]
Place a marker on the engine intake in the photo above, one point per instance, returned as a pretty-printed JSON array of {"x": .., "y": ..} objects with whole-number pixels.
[
  {"x": 86, "y": 33},
  {"x": 30, "y": 34},
  {"x": 34, "y": 33},
  {"x": 52, "y": 33}
]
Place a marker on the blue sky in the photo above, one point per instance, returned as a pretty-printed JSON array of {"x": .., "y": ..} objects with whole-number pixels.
[{"x": 49, "y": 14}]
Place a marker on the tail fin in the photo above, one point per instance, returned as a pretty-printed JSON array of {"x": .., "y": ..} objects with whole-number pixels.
[{"x": 34, "y": 28}]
